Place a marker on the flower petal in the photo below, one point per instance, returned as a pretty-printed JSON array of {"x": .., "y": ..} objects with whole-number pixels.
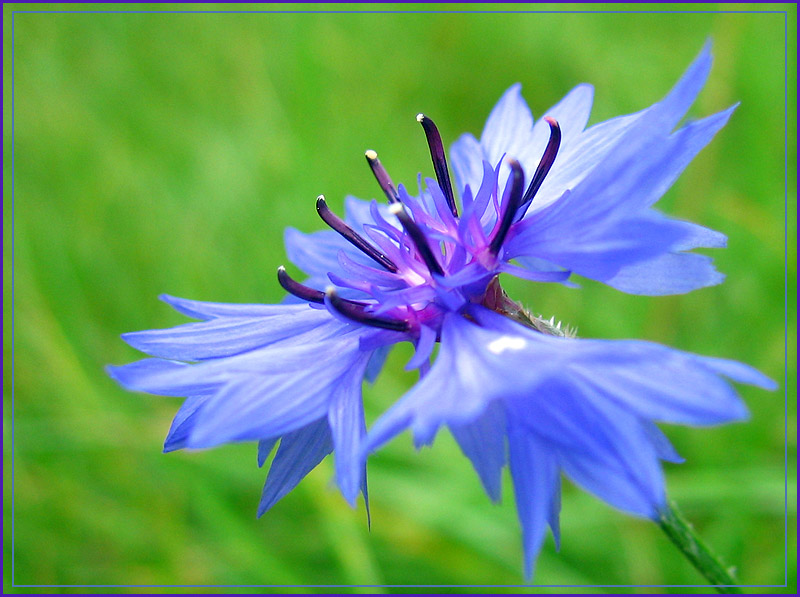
[
  {"x": 680, "y": 149},
  {"x": 157, "y": 376},
  {"x": 509, "y": 127},
  {"x": 574, "y": 162},
  {"x": 299, "y": 453},
  {"x": 663, "y": 447},
  {"x": 534, "y": 470},
  {"x": 594, "y": 247},
  {"x": 182, "y": 423},
  {"x": 483, "y": 442},
  {"x": 572, "y": 114},
  {"x": 673, "y": 273},
  {"x": 584, "y": 427},
  {"x": 652, "y": 381},
  {"x": 226, "y": 336},
  {"x": 376, "y": 363},
  {"x": 596, "y": 229},
  {"x": 317, "y": 253},
  {"x": 466, "y": 159},
  {"x": 276, "y": 398},
  {"x": 264, "y": 448},
  {"x": 346, "y": 420},
  {"x": 205, "y": 310}
]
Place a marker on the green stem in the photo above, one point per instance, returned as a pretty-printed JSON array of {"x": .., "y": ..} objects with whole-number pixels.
[{"x": 683, "y": 535}]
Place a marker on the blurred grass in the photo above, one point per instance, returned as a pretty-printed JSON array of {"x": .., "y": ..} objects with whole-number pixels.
[{"x": 167, "y": 152}]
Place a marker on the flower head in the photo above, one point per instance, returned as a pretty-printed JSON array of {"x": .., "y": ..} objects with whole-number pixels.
[{"x": 541, "y": 200}]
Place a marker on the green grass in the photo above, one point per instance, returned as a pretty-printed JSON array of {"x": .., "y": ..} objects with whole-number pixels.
[{"x": 167, "y": 153}]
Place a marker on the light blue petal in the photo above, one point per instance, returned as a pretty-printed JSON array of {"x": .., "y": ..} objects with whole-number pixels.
[
  {"x": 652, "y": 381},
  {"x": 264, "y": 448},
  {"x": 554, "y": 519},
  {"x": 658, "y": 383},
  {"x": 365, "y": 493},
  {"x": 575, "y": 162},
  {"x": 571, "y": 113},
  {"x": 611, "y": 482},
  {"x": 254, "y": 407},
  {"x": 700, "y": 236},
  {"x": 346, "y": 420},
  {"x": 358, "y": 213},
  {"x": 299, "y": 453},
  {"x": 534, "y": 470},
  {"x": 376, "y": 363},
  {"x": 483, "y": 442},
  {"x": 148, "y": 375},
  {"x": 663, "y": 447},
  {"x": 466, "y": 159},
  {"x": 274, "y": 391},
  {"x": 509, "y": 127},
  {"x": 182, "y": 423},
  {"x": 552, "y": 275},
  {"x": 226, "y": 336},
  {"x": 205, "y": 310},
  {"x": 423, "y": 349},
  {"x": 586, "y": 430},
  {"x": 596, "y": 249},
  {"x": 527, "y": 143},
  {"x": 672, "y": 273},
  {"x": 738, "y": 372},
  {"x": 672, "y": 108},
  {"x": 286, "y": 356},
  {"x": 317, "y": 253},
  {"x": 657, "y": 122},
  {"x": 639, "y": 156},
  {"x": 681, "y": 149},
  {"x": 578, "y": 230},
  {"x": 470, "y": 371}
]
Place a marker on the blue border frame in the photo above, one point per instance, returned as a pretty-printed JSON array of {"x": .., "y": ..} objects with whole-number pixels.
[{"x": 785, "y": 278}]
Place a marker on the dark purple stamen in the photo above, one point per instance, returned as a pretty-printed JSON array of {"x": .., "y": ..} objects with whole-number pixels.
[
  {"x": 416, "y": 234},
  {"x": 358, "y": 313},
  {"x": 439, "y": 160},
  {"x": 382, "y": 176},
  {"x": 299, "y": 290},
  {"x": 512, "y": 204},
  {"x": 306, "y": 293},
  {"x": 548, "y": 157},
  {"x": 351, "y": 236}
]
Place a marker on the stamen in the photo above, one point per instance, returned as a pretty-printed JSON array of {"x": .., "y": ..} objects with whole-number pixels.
[
  {"x": 302, "y": 291},
  {"x": 382, "y": 176},
  {"x": 512, "y": 205},
  {"x": 351, "y": 236},
  {"x": 357, "y": 313},
  {"x": 548, "y": 157},
  {"x": 416, "y": 234},
  {"x": 439, "y": 160},
  {"x": 299, "y": 290}
]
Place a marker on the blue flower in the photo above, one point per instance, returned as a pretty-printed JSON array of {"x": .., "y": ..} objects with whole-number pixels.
[{"x": 541, "y": 200}]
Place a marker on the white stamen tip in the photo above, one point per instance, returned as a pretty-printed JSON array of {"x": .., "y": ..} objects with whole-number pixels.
[
  {"x": 281, "y": 268},
  {"x": 420, "y": 117},
  {"x": 395, "y": 208},
  {"x": 320, "y": 197},
  {"x": 371, "y": 154},
  {"x": 504, "y": 343},
  {"x": 330, "y": 290}
]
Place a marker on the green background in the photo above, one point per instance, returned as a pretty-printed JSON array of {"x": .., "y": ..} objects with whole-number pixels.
[{"x": 167, "y": 153}]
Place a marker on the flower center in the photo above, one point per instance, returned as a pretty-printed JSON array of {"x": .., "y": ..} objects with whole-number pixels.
[{"x": 437, "y": 260}]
